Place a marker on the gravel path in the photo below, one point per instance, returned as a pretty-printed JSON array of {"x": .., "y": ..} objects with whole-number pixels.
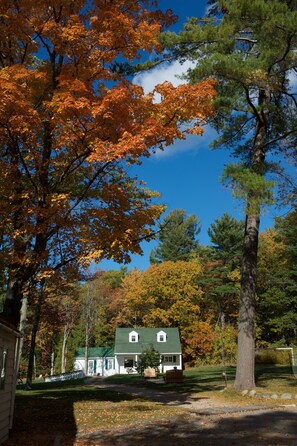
[{"x": 205, "y": 423}]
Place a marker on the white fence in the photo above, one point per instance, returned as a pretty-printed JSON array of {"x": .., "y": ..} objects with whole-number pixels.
[{"x": 65, "y": 376}]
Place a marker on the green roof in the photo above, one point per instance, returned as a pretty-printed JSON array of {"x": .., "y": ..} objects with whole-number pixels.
[
  {"x": 95, "y": 352},
  {"x": 147, "y": 337}
]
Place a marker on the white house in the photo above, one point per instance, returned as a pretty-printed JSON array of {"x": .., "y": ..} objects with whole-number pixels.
[
  {"x": 129, "y": 345},
  {"x": 101, "y": 361}
]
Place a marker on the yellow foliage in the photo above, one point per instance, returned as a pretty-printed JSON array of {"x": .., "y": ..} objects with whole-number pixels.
[{"x": 165, "y": 294}]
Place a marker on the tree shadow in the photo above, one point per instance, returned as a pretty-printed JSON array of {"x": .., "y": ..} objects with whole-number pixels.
[
  {"x": 47, "y": 418},
  {"x": 276, "y": 428}
]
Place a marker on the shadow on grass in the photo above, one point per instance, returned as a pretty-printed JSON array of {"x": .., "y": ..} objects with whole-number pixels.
[
  {"x": 279, "y": 375},
  {"x": 45, "y": 415}
]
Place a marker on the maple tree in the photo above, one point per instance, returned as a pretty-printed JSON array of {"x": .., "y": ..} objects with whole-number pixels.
[{"x": 71, "y": 125}]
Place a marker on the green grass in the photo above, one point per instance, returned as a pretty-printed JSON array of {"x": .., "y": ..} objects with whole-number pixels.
[
  {"x": 73, "y": 407},
  {"x": 269, "y": 378}
]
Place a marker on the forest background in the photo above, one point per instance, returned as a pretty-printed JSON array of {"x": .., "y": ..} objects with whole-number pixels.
[
  {"x": 195, "y": 287},
  {"x": 72, "y": 124}
]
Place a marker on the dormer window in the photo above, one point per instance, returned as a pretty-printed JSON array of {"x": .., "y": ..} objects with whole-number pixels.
[
  {"x": 161, "y": 336},
  {"x": 133, "y": 336}
]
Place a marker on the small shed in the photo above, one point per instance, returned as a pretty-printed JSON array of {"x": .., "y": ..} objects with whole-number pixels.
[{"x": 9, "y": 358}]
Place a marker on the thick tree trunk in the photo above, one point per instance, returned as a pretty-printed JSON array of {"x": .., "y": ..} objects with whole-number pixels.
[
  {"x": 245, "y": 370},
  {"x": 36, "y": 321},
  {"x": 13, "y": 303}
]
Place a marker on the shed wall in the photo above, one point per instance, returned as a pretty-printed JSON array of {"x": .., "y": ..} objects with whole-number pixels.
[{"x": 8, "y": 345}]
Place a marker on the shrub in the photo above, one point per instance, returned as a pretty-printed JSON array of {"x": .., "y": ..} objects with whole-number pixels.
[
  {"x": 149, "y": 358},
  {"x": 272, "y": 356}
]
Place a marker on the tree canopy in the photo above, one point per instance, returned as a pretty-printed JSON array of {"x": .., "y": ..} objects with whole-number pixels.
[{"x": 70, "y": 124}]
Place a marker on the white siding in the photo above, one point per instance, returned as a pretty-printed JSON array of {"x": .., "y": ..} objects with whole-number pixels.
[
  {"x": 122, "y": 370},
  {"x": 8, "y": 339},
  {"x": 100, "y": 368}
]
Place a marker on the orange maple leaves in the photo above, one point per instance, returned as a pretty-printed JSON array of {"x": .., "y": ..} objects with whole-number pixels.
[{"x": 69, "y": 124}]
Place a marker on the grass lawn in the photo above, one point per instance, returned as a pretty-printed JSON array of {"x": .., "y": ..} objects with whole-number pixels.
[
  {"x": 72, "y": 407},
  {"x": 269, "y": 378}
]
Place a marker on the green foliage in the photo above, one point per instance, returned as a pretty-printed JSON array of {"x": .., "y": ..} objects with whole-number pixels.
[
  {"x": 226, "y": 235},
  {"x": 113, "y": 278},
  {"x": 225, "y": 345},
  {"x": 271, "y": 356},
  {"x": 222, "y": 263},
  {"x": 149, "y": 358},
  {"x": 250, "y": 48},
  {"x": 249, "y": 186},
  {"x": 177, "y": 237},
  {"x": 277, "y": 278}
]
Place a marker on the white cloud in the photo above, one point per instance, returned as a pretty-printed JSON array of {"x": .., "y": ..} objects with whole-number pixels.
[
  {"x": 166, "y": 72},
  {"x": 292, "y": 76},
  {"x": 170, "y": 72},
  {"x": 191, "y": 144}
]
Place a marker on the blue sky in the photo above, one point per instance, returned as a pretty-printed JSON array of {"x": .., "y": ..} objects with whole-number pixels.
[{"x": 187, "y": 174}]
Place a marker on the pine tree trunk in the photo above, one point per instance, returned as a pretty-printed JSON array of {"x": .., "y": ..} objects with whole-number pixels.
[{"x": 245, "y": 370}]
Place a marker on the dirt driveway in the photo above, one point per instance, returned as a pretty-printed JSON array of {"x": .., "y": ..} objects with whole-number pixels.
[{"x": 205, "y": 423}]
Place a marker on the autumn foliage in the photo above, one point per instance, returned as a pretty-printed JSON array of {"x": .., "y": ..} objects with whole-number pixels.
[{"x": 71, "y": 124}]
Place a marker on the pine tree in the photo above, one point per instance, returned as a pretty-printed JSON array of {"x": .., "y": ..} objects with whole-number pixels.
[
  {"x": 250, "y": 49},
  {"x": 222, "y": 266},
  {"x": 177, "y": 237}
]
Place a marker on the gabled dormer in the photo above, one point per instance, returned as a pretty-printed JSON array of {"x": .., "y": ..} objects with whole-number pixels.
[
  {"x": 161, "y": 336},
  {"x": 133, "y": 336}
]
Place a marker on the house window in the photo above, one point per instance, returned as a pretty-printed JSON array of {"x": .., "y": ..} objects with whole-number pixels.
[
  {"x": 128, "y": 363},
  {"x": 161, "y": 336},
  {"x": 109, "y": 364},
  {"x": 133, "y": 336},
  {"x": 3, "y": 362},
  {"x": 169, "y": 359}
]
